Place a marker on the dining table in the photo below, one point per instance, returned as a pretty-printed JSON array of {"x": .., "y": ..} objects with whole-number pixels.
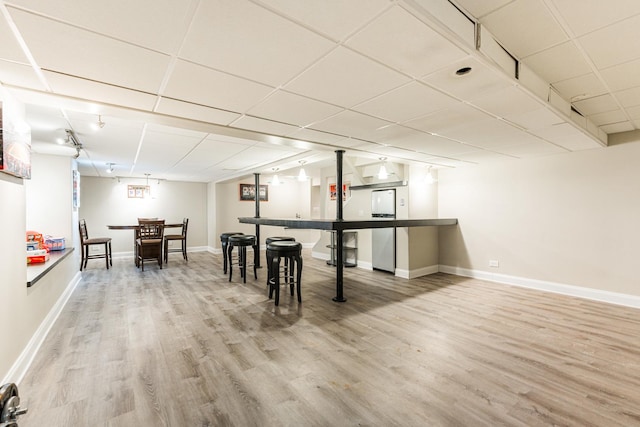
[{"x": 134, "y": 228}]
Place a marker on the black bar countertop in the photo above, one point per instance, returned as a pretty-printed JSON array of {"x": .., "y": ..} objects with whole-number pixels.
[{"x": 346, "y": 224}]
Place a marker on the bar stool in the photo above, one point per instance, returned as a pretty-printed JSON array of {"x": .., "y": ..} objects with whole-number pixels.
[
  {"x": 224, "y": 239},
  {"x": 242, "y": 241},
  {"x": 286, "y": 261},
  {"x": 292, "y": 252}
]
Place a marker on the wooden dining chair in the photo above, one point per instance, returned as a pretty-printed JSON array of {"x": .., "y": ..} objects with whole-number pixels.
[
  {"x": 86, "y": 243},
  {"x": 182, "y": 238},
  {"x": 149, "y": 241}
]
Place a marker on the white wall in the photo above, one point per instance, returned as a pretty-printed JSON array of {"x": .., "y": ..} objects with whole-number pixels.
[
  {"x": 24, "y": 310},
  {"x": 104, "y": 202},
  {"x": 285, "y": 201},
  {"x": 570, "y": 219}
]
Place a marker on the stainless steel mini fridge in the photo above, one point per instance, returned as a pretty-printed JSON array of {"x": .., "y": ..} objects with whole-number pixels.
[{"x": 383, "y": 240}]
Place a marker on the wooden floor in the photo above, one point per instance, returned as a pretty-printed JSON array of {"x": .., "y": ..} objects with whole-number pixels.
[{"x": 182, "y": 346}]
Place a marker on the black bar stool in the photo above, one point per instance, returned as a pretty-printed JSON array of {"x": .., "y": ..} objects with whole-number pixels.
[
  {"x": 292, "y": 253},
  {"x": 224, "y": 239},
  {"x": 286, "y": 261},
  {"x": 242, "y": 241}
]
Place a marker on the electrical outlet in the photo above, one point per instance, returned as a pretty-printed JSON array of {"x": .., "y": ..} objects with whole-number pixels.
[{"x": 494, "y": 263}]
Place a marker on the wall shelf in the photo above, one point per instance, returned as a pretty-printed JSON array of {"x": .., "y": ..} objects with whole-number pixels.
[{"x": 349, "y": 248}]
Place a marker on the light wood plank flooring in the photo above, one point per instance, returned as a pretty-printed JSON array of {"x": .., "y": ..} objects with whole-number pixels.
[{"x": 182, "y": 346}]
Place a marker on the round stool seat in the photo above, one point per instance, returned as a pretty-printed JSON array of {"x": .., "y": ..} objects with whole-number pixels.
[
  {"x": 242, "y": 240},
  {"x": 284, "y": 246},
  {"x": 280, "y": 239},
  {"x": 225, "y": 236}
]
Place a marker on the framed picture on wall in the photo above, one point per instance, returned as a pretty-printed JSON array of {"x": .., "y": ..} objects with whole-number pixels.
[
  {"x": 138, "y": 191},
  {"x": 248, "y": 192},
  {"x": 346, "y": 188},
  {"x": 76, "y": 189}
]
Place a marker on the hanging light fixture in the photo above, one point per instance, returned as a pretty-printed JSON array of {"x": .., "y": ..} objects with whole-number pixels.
[
  {"x": 429, "y": 179},
  {"x": 110, "y": 167},
  {"x": 99, "y": 125},
  {"x": 302, "y": 176},
  {"x": 275, "y": 180},
  {"x": 382, "y": 173}
]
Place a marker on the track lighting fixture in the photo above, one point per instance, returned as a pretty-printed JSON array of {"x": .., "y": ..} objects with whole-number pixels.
[
  {"x": 99, "y": 125},
  {"x": 110, "y": 167}
]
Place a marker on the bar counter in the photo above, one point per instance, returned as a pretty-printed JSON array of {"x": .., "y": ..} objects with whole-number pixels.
[{"x": 340, "y": 226}]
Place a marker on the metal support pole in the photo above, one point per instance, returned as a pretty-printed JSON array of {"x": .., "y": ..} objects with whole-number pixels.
[
  {"x": 339, "y": 233},
  {"x": 256, "y": 260}
]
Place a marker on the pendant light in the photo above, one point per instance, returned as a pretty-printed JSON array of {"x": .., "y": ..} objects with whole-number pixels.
[
  {"x": 429, "y": 179},
  {"x": 302, "y": 176},
  {"x": 275, "y": 180},
  {"x": 382, "y": 173}
]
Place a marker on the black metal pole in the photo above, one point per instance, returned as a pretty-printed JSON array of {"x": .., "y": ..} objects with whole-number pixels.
[
  {"x": 256, "y": 260},
  {"x": 339, "y": 234}
]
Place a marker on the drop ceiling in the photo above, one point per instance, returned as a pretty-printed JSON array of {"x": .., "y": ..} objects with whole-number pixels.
[{"x": 208, "y": 91}]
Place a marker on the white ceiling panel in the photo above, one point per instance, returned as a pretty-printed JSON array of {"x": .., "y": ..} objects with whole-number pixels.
[
  {"x": 350, "y": 123},
  {"x": 442, "y": 121},
  {"x": 585, "y": 86},
  {"x": 242, "y": 38},
  {"x": 312, "y": 135},
  {"x": 628, "y": 97},
  {"x": 345, "y": 78},
  {"x": 133, "y": 21},
  {"x": 9, "y": 48},
  {"x": 567, "y": 136},
  {"x": 264, "y": 126},
  {"x": 479, "y": 81},
  {"x": 19, "y": 75},
  {"x": 335, "y": 18},
  {"x": 294, "y": 109},
  {"x": 614, "y": 44},
  {"x": 597, "y": 104},
  {"x": 618, "y": 127},
  {"x": 584, "y": 18},
  {"x": 537, "y": 29},
  {"x": 531, "y": 149},
  {"x": 401, "y": 40},
  {"x": 480, "y": 8},
  {"x": 205, "y": 86},
  {"x": 508, "y": 101},
  {"x": 485, "y": 134},
  {"x": 610, "y": 117},
  {"x": 432, "y": 145},
  {"x": 623, "y": 76},
  {"x": 198, "y": 112},
  {"x": 558, "y": 63},
  {"x": 94, "y": 57},
  {"x": 407, "y": 102},
  {"x": 536, "y": 119}
]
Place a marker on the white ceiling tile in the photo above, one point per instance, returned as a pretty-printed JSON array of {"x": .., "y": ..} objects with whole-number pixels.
[
  {"x": 431, "y": 145},
  {"x": 567, "y": 136},
  {"x": 99, "y": 92},
  {"x": 585, "y": 86},
  {"x": 136, "y": 22},
  {"x": 613, "y": 45},
  {"x": 595, "y": 105},
  {"x": 536, "y": 119},
  {"x": 530, "y": 149},
  {"x": 242, "y": 38},
  {"x": 610, "y": 117},
  {"x": 557, "y": 63},
  {"x": 507, "y": 101},
  {"x": 634, "y": 112},
  {"x": 628, "y": 97},
  {"x": 623, "y": 76},
  {"x": 469, "y": 86},
  {"x": 485, "y": 134},
  {"x": 406, "y": 102},
  {"x": 268, "y": 127},
  {"x": 443, "y": 120},
  {"x": 351, "y": 124},
  {"x": 10, "y": 50},
  {"x": 480, "y": 8},
  {"x": 483, "y": 157},
  {"x": 189, "y": 110},
  {"x": 536, "y": 30},
  {"x": 402, "y": 41},
  {"x": 293, "y": 109},
  {"x": 19, "y": 75},
  {"x": 345, "y": 78},
  {"x": 320, "y": 137},
  {"x": 334, "y": 18},
  {"x": 618, "y": 127},
  {"x": 94, "y": 57},
  {"x": 191, "y": 82},
  {"x": 387, "y": 135},
  {"x": 164, "y": 149},
  {"x": 583, "y": 17}
]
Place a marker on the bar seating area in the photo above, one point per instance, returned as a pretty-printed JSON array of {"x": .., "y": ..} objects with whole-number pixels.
[
  {"x": 291, "y": 252},
  {"x": 224, "y": 243}
]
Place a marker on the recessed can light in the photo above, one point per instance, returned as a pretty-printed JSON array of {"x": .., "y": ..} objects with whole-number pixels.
[{"x": 464, "y": 70}]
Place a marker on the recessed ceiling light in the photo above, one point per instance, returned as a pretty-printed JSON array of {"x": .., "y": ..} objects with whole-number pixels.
[{"x": 462, "y": 71}]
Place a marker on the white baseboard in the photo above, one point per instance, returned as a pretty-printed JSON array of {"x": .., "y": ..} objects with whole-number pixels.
[
  {"x": 412, "y": 274},
  {"x": 558, "y": 288},
  {"x": 21, "y": 365}
]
